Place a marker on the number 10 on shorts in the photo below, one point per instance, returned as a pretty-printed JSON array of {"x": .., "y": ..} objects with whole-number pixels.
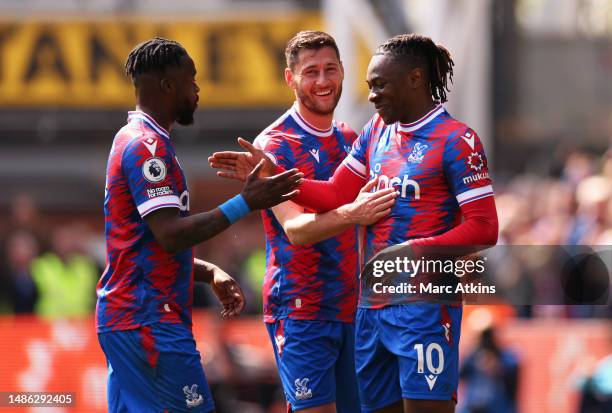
[{"x": 426, "y": 357}]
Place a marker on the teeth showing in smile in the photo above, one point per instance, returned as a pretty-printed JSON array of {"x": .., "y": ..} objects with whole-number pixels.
[{"x": 323, "y": 92}]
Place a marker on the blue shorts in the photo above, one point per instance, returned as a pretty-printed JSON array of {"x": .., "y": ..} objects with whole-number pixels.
[
  {"x": 316, "y": 363},
  {"x": 155, "y": 368},
  {"x": 407, "y": 352}
]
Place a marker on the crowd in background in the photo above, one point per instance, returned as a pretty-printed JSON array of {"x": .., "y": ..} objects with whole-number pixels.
[
  {"x": 48, "y": 271},
  {"x": 571, "y": 207}
]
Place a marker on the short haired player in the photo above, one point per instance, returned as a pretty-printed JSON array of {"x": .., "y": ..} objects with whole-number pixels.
[{"x": 143, "y": 313}]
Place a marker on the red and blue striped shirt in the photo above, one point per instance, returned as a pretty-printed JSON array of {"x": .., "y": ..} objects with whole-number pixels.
[
  {"x": 142, "y": 283},
  {"x": 317, "y": 281}
]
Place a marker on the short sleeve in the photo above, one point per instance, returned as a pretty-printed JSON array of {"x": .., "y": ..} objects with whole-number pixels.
[
  {"x": 466, "y": 167},
  {"x": 277, "y": 148},
  {"x": 348, "y": 133},
  {"x": 148, "y": 163}
]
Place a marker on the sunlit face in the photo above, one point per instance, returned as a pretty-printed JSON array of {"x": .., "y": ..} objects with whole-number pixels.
[
  {"x": 390, "y": 91},
  {"x": 186, "y": 91},
  {"x": 317, "y": 79}
]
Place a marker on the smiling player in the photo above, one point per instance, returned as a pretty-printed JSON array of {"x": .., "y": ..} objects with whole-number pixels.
[
  {"x": 310, "y": 288},
  {"x": 407, "y": 355}
]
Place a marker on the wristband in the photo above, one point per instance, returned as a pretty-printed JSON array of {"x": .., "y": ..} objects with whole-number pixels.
[{"x": 235, "y": 208}]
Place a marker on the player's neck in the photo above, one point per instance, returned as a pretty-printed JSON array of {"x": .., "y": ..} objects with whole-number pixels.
[
  {"x": 316, "y": 120},
  {"x": 162, "y": 120},
  {"x": 418, "y": 111}
]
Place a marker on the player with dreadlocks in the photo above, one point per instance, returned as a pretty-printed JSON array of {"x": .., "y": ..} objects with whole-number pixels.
[
  {"x": 143, "y": 313},
  {"x": 406, "y": 347}
]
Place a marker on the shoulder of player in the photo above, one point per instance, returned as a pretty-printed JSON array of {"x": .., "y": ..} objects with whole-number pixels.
[
  {"x": 372, "y": 129},
  {"x": 143, "y": 143},
  {"x": 275, "y": 137},
  {"x": 460, "y": 138},
  {"x": 457, "y": 131},
  {"x": 376, "y": 123},
  {"x": 345, "y": 130},
  {"x": 146, "y": 137}
]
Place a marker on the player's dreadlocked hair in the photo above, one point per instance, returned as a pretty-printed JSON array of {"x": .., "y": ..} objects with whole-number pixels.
[
  {"x": 308, "y": 39},
  {"x": 421, "y": 51},
  {"x": 154, "y": 55}
]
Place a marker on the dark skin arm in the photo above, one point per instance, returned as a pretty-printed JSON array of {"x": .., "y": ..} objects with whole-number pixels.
[
  {"x": 226, "y": 289},
  {"x": 176, "y": 233},
  {"x": 203, "y": 271}
]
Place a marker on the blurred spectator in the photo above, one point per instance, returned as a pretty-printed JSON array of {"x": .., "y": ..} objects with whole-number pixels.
[
  {"x": 64, "y": 276},
  {"x": 254, "y": 270},
  {"x": 24, "y": 212},
  {"x": 22, "y": 238},
  {"x": 491, "y": 374},
  {"x": 24, "y": 216},
  {"x": 593, "y": 195},
  {"x": 578, "y": 166},
  {"x": 21, "y": 292}
]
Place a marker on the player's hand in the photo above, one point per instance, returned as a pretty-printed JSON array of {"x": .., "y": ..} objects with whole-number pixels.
[
  {"x": 238, "y": 165},
  {"x": 369, "y": 207},
  {"x": 228, "y": 292},
  {"x": 261, "y": 192}
]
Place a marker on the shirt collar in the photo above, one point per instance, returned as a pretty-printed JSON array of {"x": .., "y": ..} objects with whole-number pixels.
[
  {"x": 431, "y": 115},
  {"x": 149, "y": 121},
  {"x": 307, "y": 126}
]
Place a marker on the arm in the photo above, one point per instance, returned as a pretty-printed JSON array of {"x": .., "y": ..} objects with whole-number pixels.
[
  {"x": 323, "y": 196},
  {"x": 226, "y": 289},
  {"x": 203, "y": 271},
  {"x": 306, "y": 228},
  {"x": 176, "y": 233},
  {"x": 320, "y": 196},
  {"x": 154, "y": 179},
  {"x": 479, "y": 228},
  {"x": 477, "y": 231}
]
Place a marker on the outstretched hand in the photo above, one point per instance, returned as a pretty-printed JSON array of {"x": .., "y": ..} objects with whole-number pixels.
[
  {"x": 263, "y": 192},
  {"x": 238, "y": 165}
]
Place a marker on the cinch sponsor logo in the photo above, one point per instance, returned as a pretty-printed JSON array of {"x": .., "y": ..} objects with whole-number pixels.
[
  {"x": 404, "y": 182},
  {"x": 475, "y": 177}
]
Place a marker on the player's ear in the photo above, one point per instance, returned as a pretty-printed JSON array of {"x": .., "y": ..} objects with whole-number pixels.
[
  {"x": 342, "y": 69},
  {"x": 289, "y": 78},
  {"x": 166, "y": 84},
  {"x": 416, "y": 78}
]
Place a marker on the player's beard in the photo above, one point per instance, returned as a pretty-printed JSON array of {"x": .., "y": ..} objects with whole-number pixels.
[
  {"x": 185, "y": 116},
  {"x": 314, "y": 106}
]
